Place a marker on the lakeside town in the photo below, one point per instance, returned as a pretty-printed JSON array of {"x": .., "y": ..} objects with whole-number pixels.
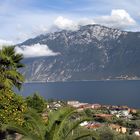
[{"x": 111, "y": 116}]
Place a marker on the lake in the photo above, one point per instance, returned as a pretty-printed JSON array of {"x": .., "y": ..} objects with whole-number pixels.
[{"x": 115, "y": 92}]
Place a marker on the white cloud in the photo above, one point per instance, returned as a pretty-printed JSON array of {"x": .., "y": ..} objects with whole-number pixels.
[
  {"x": 119, "y": 18},
  {"x": 35, "y": 50},
  {"x": 64, "y": 23},
  {"x": 68, "y": 24},
  {"x": 5, "y": 43}
]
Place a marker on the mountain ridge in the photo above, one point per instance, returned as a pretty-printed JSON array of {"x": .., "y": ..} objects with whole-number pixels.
[{"x": 93, "y": 52}]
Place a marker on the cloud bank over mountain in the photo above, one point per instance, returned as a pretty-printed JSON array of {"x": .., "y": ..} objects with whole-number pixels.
[
  {"x": 24, "y": 19},
  {"x": 119, "y": 18},
  {"x": 36, "y": 50},
  {"x": 64, "y": 23}
]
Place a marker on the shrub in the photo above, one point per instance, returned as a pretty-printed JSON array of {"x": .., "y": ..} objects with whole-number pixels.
[
  {"x": 36, "y": 102},
  {"x": 12, "y": 107},
  {"x": 106, "y": 133}
]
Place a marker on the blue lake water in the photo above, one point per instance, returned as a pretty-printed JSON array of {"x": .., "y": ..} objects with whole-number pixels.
[{"x": 104, "y": 92}]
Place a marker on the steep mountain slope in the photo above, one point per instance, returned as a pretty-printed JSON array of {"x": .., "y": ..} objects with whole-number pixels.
[{"x": 93, "y": 52}]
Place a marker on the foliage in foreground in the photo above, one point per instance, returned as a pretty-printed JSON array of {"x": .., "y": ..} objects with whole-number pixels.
[
  {"x": 105, "y": 133},
  {"x": 59, "y": 126},
  {"x": 12, "y": 107}
]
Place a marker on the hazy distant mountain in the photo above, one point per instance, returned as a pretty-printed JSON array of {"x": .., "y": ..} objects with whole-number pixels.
[{"x": 93, "y": 52}]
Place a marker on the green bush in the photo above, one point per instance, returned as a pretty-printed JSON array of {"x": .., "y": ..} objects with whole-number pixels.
[
  {"x": 12, "y": 107},
  {"x": 126, "y": 137},
  {"x": 36, "y": 102},
  {"x": 106, "y": 133}
]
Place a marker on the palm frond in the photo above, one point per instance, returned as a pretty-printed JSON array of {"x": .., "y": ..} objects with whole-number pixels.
[
  {"x": 57, "y": 116},
  {"x": 55, "y": 119},
  {"x": 10, "y": 62},
  {"x": 73, "y": 125},
  {"x": 16, "y": 128},
  {"x": 8, "y": 83},
  {"x": 33, "y": 129},
  {"x": 15, "y": 77},
  {"x": 37, "y": 123},
  {"x": 87, "y": 134}
]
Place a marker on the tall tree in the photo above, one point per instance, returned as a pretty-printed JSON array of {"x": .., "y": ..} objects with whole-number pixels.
[
  {"x": 12, "y": 106},
  {"x": 10, "y": 62}
]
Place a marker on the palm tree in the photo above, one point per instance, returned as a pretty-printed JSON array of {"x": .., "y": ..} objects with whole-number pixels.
[
  {"x": 10, "y": 62},
  {"x": 61, "y": 125}
]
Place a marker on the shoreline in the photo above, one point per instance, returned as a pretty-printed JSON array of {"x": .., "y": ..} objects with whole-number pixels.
[{"x": 111, "y": 80}]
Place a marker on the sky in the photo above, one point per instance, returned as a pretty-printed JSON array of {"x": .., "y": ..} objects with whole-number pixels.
[{"x": 24, "y": 19}]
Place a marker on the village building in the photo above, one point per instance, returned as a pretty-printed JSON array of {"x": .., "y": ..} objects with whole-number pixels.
[
  {"x": 76, "y": 104},
  {"x": 118, "y": 128}
]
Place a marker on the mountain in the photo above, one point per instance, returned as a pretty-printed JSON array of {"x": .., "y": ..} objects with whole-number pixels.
[{"x": 93, "y": 52}]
